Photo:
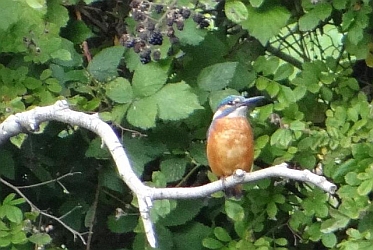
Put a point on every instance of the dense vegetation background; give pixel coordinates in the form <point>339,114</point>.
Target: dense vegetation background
<point>155,71</point>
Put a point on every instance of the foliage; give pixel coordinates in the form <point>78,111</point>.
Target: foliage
<point>156,75</point>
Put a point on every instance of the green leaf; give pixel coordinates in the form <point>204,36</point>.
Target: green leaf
<point>191,236</point>
<point>123,224</point>
<point>282,137</point>
<point>57,14</point>
<point>96,150</point>
<point>217,76</point>
<point>212,243</point>
<point>222,234</point>
<point>272,19</point>
<point>185,211</point>
<point>36,4</point>
<point>148,79</point>
<point>365,187</point>
<point>235,11</point>
<point>162,207</point>
<point>13,213</point>
<point>281,241</point>
<point>40,239</point>
<point>176,101</point>
<point>329,240</point>
<point>77,31</point>
<point>311,19</point>
<point>343,169</point>
<point>190,35</point>
<point>142,113</point>
<point>104,65</point>
<point>61,54</point>
<point>174,168</point>
<point>256,3</point>
<point>234,210</point>
<point>10,12</point>
<point>9,198</point>
<point>334,224</point>
<point>283,72</point>
<point>32,83</point>
<point>53,85</point>
<point>266,65</point>
<point>109,178</point>
<point>17,201</point>
<point>351,179</point>
<point>271,210</point>
<point>119,90</point>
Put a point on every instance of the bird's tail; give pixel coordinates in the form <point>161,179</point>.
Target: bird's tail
<point>235,192</point>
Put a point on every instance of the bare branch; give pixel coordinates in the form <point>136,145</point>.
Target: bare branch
<point>50,181</point>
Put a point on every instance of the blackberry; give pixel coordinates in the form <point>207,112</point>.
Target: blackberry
<point>170,19</point>
<point>185,13</point>
<point>156,55</point>
<point>204,23</point>
<point>135,3</point>
<point>170,32</point>
<point>150,26</point>
<point>158,9</point>
<point>139,44</point>
<point>130,43</point>
<point>198,18</point>
<point>138,15</point>
<point>145,56</point>
<point>180,24</point>
<point>156,38</point>
<point>143,35</point>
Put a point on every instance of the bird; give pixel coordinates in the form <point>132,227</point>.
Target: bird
<point>230,140</point>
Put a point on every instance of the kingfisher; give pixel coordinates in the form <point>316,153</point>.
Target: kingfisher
<point>230,140</point>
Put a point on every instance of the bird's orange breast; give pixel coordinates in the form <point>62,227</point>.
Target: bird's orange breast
<point>230,146</point>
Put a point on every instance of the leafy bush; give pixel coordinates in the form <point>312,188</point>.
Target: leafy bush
<point>156,75</point>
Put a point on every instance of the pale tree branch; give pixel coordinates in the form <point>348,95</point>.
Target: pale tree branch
<point>60,111</point>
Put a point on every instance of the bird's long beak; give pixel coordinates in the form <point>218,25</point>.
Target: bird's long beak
<point>252,101</point>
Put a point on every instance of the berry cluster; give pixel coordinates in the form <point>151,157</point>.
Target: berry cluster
<point>154,20</point>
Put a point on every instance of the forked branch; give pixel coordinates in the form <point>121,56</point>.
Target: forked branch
<point>60,111</point>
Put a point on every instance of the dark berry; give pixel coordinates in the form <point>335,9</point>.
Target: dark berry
<point>170,32</point>
<point>170,19</point>
<point>180,24</point>
<point>138,15</point>
<point>156,55</point>
<point>204,23</point>
<point>143,35</point>
<point>145,56</point>
<point>129,43</point>
<point>139,44</point>
<point>144,6</point>
<point>198,18</point>
<point>135,3</point>
<point>150,25</point>
<point>156,38</point>
<point>185,13</point>
<point>158,9</point>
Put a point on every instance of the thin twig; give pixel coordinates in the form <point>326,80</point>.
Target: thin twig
<point>35,208</point>
<point>50,181</point>
<point>93,217</point>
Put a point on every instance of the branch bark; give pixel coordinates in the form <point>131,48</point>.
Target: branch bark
<point>60,111</point>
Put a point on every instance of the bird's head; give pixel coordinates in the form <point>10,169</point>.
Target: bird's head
<point>235,106</point>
